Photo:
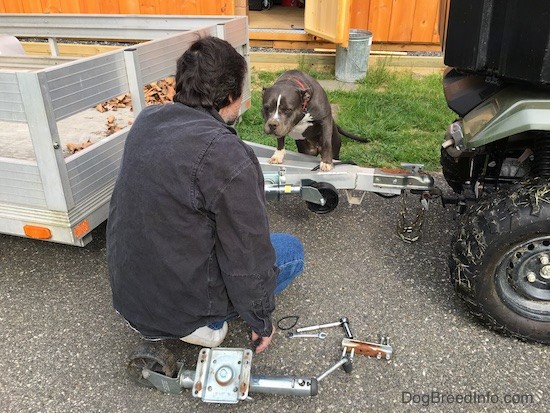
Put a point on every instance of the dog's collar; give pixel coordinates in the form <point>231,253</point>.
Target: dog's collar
<point>303,88</point>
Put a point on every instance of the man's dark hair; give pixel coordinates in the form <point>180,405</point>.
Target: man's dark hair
<point>208,73</point>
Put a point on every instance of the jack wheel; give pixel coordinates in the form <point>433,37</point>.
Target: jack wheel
<point>329,193</point>
<point>348,367</point>
<point>154,357</point>
<point>500,261</point>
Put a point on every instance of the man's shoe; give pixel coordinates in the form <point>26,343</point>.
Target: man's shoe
<point>206,337</point>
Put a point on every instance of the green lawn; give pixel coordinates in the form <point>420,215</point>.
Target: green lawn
<point>404,116</point>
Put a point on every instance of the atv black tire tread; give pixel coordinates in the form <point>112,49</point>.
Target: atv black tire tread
<point>488,228</point>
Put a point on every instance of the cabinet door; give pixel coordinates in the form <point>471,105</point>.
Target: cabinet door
<point>328,19</point>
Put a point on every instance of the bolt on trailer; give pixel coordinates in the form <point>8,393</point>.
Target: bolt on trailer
<point>45,192</point>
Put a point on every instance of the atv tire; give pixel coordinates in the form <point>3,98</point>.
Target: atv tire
<point>500,260</point>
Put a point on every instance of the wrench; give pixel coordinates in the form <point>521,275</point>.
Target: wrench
<point>344,322</point>
<point>321,335</point>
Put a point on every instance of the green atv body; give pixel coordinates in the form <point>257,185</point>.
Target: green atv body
<point>496,157</point>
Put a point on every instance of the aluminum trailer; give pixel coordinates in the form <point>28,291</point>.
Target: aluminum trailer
<point>62,198</point>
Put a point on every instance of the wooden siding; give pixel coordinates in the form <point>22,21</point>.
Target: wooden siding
<point>398,21</point>
<point>185,7</point>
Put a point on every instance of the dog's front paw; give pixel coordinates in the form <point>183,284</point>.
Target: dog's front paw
<point>277,157</point>
<point>325,167</point>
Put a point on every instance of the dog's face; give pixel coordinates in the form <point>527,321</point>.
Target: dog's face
<point>282,109</point>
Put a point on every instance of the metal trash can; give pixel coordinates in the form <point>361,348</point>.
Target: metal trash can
<point>352,61</point>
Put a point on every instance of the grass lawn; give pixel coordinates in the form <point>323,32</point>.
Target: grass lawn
<point>404,116</point>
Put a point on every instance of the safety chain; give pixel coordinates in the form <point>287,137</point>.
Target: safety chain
<point>409,232</point>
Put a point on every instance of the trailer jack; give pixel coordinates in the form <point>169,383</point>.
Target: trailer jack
<point>223,375</point>
<point>320,197</point>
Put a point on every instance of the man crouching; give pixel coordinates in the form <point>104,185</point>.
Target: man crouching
<point>188,239</point>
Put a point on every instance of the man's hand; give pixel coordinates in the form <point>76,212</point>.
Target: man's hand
<point>263,342</point>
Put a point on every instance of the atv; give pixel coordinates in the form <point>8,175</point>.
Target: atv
<point>496,158</point>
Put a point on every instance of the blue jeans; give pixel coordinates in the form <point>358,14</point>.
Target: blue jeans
<point>289,257</point>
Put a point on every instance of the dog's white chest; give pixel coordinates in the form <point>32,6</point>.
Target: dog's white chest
<point>297,132</point>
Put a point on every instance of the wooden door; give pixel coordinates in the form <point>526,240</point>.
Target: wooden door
<point>328,19</point>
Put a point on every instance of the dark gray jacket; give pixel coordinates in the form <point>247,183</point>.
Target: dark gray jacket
<point>187,237</point>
